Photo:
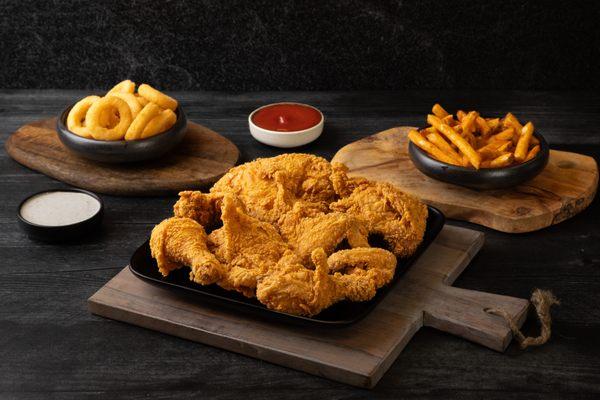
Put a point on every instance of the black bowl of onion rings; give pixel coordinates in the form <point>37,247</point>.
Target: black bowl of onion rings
<point>122,151</point>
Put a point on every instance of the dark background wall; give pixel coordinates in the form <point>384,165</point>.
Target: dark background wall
<point>305,45</point>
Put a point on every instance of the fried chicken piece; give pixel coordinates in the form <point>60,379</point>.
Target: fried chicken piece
<point>360,272</point>
<point>343,185</point>
<point>248,246</point>
<point>204,208</point>
<point>295,289</point>
<point>401,219</point>
<point>326,231</point>
<point>182,241</point>
<point>271,187</point>
<point>357,274</point>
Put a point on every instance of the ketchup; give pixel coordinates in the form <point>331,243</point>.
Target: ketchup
<point>286,117</point>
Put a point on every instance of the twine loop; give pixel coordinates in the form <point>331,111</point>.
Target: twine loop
<point>542,301</point>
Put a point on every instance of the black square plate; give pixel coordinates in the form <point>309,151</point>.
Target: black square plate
<point>340,314</point>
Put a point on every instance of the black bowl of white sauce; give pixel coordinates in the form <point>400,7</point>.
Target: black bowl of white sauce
<point>61,215</point>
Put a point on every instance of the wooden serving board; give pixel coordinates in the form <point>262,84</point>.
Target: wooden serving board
<point>565,187</point>
<point>202,157</point>
<point>359,354</point>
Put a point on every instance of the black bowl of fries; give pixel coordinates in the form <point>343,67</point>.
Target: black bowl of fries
<point>476,152</point>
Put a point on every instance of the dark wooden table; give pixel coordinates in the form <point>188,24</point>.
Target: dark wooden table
<point>52,347</point>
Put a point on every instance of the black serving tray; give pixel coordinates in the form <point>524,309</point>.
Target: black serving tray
<point>338,315</point>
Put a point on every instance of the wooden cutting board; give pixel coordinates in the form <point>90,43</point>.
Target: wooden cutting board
<point>202,157</point>
<point>563,189</point>
<point>359,354</point>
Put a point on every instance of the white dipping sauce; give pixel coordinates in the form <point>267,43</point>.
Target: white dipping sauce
<point>59,208</point>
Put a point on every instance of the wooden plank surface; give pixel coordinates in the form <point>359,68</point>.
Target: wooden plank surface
<point>358,355</point>
<point>198,161</point>
<point>564,188</point>
<point>52,347</point>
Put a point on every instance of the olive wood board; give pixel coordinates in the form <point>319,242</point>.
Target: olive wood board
<point>358,354</point>
<point>564,188</point>
<point>198,161</point>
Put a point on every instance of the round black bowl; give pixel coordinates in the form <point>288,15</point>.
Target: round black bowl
<point>122,151</point>
<point>492,178</point>
<point>63,233</point>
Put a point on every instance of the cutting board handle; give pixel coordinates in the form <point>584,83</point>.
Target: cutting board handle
<point>462,312</point>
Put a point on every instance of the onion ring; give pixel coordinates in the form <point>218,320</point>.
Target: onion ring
<point>126,86</point>
<point>131,100</point>
<point>157,97</point>
<point>142,100</point>
<point>94,118</point>
<point>76,118</point>
<point>109,118</point>
<point>136,128</point>
<point>159,124</point>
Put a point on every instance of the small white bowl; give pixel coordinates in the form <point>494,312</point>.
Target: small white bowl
<point>286,139</point>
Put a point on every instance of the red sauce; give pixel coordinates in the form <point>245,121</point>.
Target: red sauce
<point>286,117</point>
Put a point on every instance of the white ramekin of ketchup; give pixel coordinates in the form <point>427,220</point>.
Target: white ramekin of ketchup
<point>286,124</point>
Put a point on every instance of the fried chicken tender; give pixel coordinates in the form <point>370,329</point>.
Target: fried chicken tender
<point>283,219</point>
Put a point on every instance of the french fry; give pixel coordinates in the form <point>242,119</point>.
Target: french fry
<point>448,120</point>
<point>457,139</point>
<point>482,125</point>
<point>506,134</point>
<point>502,161</point>
<point>511,121</point>
<point>524,141</point>
<point>480,142</point>
<point>532,153</point>
<point>504,147</point>
<point>497,144</point>
<point>465,161</point>
<point>430,148</point>
<point>470,138</point>
<point>439,141</point>
<point>439,111</point>
<point>494,149</point>
<point>487,154</point>
<point>493,123</point>
<point>468,122</point>
<point>434,121</point>
<point>460,114</point>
